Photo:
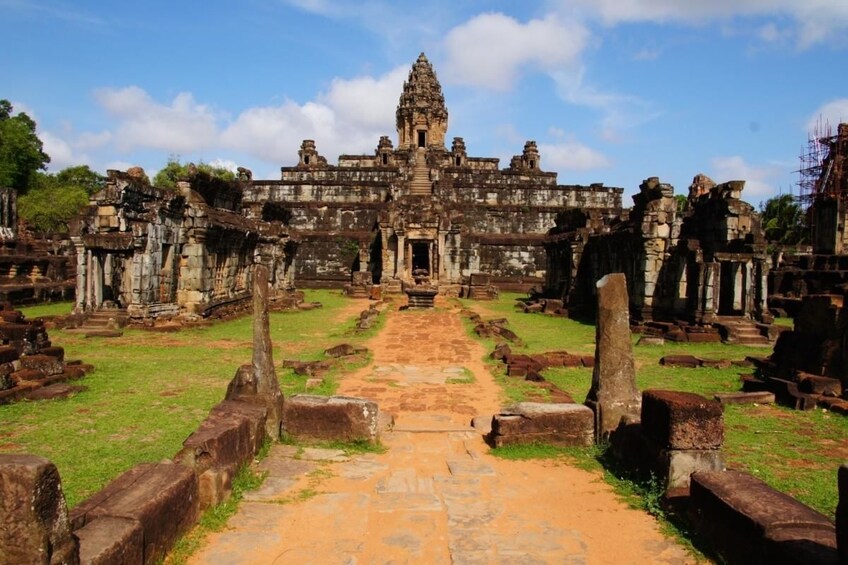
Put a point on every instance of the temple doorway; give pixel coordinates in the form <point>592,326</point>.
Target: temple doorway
<point>421,256</point>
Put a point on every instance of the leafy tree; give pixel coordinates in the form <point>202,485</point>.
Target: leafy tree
<point>681,202</point>
<point>53,200</point>
<point>783,220</point>
<point>174,171</point>
<point>81,176</point>
<point>21,152</point>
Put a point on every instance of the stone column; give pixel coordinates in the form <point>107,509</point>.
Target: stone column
<point>267,385</point>
<point>400,271</point>
<point>613,394</point>
<point>82,274</point>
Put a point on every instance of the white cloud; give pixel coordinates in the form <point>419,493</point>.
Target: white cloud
<point>181,126</point>
<point>571,155</point>
<point>758,178</point>
<point>490,50</point>
<point>348,118</point>
<point>833,113</point>
<point>61,152</point>
<point>619,111</point>
<point>814,20</point>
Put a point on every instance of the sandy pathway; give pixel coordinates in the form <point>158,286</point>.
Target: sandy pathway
<point>436,495</point>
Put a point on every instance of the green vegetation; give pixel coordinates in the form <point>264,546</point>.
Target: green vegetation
<point>796,452</point>
<point>784,221</point>
<point>150,390</point>
<point>21,151</point>
<point>47,309</point>
<point>52,200</point>
<point>174,171</point>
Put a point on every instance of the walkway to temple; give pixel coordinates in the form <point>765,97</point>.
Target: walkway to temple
<point>435,495</point>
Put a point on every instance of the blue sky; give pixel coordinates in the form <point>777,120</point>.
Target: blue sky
<point>613,91</point>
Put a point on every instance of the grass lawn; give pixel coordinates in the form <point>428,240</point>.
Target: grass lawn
<point>150,390</point>
<point>793,451</point>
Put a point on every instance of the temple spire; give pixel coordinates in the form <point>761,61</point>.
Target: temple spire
<point>422,118</point>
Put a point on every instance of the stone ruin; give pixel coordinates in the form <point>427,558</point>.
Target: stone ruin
<point>809,365</point>
<point>30,365</point>
<point>189,253</point>
<point>33,267</point>
<point>698,275</point>
<point>370,222</point>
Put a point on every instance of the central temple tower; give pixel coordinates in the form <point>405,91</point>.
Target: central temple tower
<point>422,118</point>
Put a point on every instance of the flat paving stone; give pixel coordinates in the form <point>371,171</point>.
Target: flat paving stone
<point>321,454</point>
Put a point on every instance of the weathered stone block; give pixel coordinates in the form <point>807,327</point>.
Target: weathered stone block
<point>223,442</point>
<point>8,353</point>
<point>736,512</point>
<point>814,384</point>
<point>162,497</point>
<point>687,361</point>
<point>45,363</point>
<point>677,465</point>
<point>681,420</point>
<point>34,525</point>
<point>558,424</point>
<point>330,418</point>
<point>110,540</point>
<point>761,397</point>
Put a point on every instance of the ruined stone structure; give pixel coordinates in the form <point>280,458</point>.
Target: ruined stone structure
<point>824,188</point>
<point>32,269</point>
<point>420,206</point>
<point>370,221</point>
<point>700,265</point>
<point>157,252</point>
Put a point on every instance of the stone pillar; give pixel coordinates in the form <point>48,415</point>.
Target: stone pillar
<point>400,271</point>
<point>82,274</point>
<point>613,393</point>
<point>34,526</point>
<point>267,385</point>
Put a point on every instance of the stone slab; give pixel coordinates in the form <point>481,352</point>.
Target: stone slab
<point>762,397</point>
<point>528,422</point>
<point>162,497</point>
<point>736,512</point>
<point>111,540</point>
<point>679,464</point>
<point>330,418</point>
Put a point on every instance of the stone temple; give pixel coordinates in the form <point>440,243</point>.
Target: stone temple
<point>370,221</point>
<point>416,210</point>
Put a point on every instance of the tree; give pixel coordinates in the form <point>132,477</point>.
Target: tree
<point>175,171</point>
<point>53,200</point>
<point>81,176</point>
<point>21,151</point>
<point>783,220</point>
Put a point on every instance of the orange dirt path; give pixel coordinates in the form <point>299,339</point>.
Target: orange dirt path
<point>435,495</point>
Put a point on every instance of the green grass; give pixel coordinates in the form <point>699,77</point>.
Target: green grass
<point>150,390</point>
<point>793,451</point>
<point>47,309</point>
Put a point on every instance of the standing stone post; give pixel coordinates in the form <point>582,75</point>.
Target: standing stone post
<point>34,526</point>
<point>257,383</point>
<point>613,393</point>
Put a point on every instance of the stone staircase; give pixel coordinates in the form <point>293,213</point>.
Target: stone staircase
<point>420,184</point>
<point>742,332</point>
<point>103,323</point>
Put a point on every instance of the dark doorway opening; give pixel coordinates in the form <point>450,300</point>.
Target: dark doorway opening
<point>731,291</point>
<point>421,256</point>
<point>375,259</point>
<point>422,138</point>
